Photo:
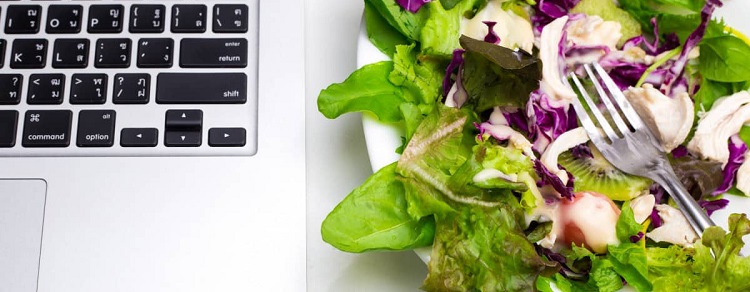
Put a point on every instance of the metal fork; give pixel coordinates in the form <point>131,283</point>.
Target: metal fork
<point>635,149</point>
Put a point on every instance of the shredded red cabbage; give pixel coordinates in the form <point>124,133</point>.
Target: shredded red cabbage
<point>581,151</point>
<point>675,71</point>
<point>565,270</point>
<point>546,122</point>
<point>548,10</point>
<point>491,37</point>
<point>548,178</point>
<point>456,62</point>
<point>671,41</point>
<point>712,206</point>
<point>679,152</point>
<point>517,119</point>
<point>737,150</point>
<point>659,198</point>
<point>637,237</point>
<point>412,5</point>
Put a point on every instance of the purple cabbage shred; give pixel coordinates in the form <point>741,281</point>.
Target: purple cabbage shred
<point>712,206</point>
<point>565,270</point>
<point>659,198</point>
<point>675,71</point>
<point>546,122</point>
<point>491,37</point>
<point>737,150</point>
<point>637,237</point>
<point>456,62</point>
<point>548,10</point>
<point>581,151</point>
<point>548,178</point>
<point>517,119</point>
<point>679,152</point>
<point>412,5</point>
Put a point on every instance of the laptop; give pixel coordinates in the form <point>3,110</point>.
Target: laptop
<point>152,146</point>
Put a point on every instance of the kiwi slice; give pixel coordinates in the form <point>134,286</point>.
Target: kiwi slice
<point>598,175</point>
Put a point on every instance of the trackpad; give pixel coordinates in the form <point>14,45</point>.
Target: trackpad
<point>21,218</point>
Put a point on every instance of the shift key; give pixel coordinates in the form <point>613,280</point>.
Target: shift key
<point>213,53</point>
<point>200,88</point>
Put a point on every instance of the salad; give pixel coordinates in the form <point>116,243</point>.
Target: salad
<point>495,173</point>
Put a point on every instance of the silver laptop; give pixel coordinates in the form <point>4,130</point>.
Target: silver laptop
<point>152,146</point>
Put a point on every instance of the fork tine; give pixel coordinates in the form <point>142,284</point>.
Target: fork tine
<point>630,114</point>
<point>594,110</point>
<point>621,126</point>
<point>588,125</point>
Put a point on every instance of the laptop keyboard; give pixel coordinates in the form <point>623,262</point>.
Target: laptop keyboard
<point>128,78</point>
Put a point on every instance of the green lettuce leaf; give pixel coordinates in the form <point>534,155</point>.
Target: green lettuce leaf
<point>367,89</point>
<point>437,148</point>
<point>421,79</point>
<point>644,10</point>
<point>717,256</point>
<point>484,249</point>
<point>407,23</point>
<point>670,269</point>
<point>381,34</point>
<point>626,225</point>
<point>629,261</point>
<point>498,76</point>
<point>725,59</point>
<point>439,36</point>
<point>714,264</point>
<point>374,217</point>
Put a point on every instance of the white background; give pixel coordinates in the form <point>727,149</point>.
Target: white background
<point>337,157</point>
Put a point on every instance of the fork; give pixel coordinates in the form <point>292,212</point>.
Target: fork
<point>633,149</point>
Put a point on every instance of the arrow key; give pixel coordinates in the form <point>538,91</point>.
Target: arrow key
<point>182,139</point>
<point>226,137</point>
<point>139,137</point>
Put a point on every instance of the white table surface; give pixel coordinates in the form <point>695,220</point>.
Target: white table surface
<point>337,160</point>
<point>337,157</point>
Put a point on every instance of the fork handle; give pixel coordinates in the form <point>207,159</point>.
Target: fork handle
<point>692,211</point>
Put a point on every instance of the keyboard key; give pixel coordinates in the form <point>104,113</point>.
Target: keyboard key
<point>132,88</point>
<point>23,19</point>
<point>10,88</point>
<point>198,88</point>
<point>70,53</point>
<point>46,89</point>
<point>182,139</point>
<point>213,53</point>
<point>88,89</point>
<point>226,137</point>
<point>47,128</point>
<point>113,53</point>
<point>105,18</point>
<point>139,137</point>
<point>28,54</point>
<point>8,125</point>
<point>186,120</point>
<point>189,18</point>
<point>147,18</point>
<point>96,128</point>
<point>230,18</point>
<point>155,53</point>
<point>64,18</point>
<point>2,53</point>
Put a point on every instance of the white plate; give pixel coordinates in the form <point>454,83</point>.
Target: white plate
<point>382,139</point>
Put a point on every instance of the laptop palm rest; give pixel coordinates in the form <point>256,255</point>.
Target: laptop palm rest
<point>21,219</point>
